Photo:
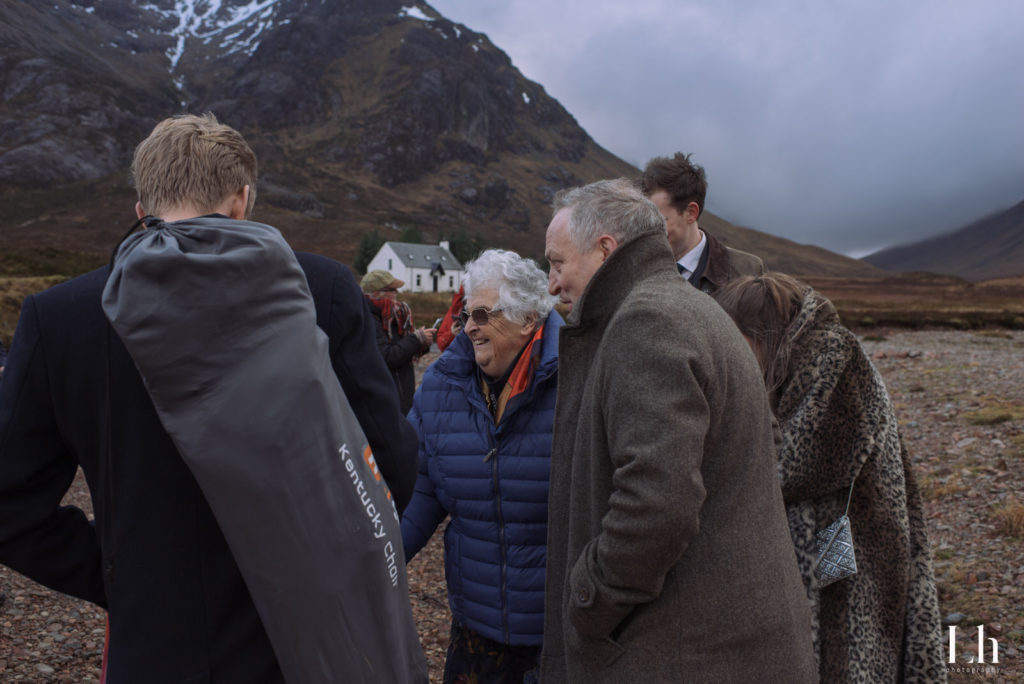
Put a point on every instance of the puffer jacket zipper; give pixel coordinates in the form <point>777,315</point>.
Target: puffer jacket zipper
<point>492,457</point>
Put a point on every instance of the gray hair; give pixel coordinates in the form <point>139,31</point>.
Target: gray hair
<point>521,285</point>
<point>612,207</point>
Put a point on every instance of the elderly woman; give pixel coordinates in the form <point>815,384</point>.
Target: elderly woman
<point>484,414</point>
<point>841,451</point>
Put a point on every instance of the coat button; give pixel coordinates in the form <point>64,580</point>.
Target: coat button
<point>583,595</point>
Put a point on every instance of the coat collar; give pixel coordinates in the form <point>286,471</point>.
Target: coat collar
<point>635,259</point>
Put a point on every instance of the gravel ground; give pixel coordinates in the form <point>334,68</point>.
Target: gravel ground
<point>960,400</point>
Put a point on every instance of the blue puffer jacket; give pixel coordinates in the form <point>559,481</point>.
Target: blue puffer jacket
<point>492,480</point>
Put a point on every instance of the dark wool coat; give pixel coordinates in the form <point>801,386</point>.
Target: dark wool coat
<point>399,352</point>
<point>492,481</point>
<point>155,556</point>
<point>882,624</point>
<point>669,558</point>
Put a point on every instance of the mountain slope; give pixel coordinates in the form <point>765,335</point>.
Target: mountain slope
<point>780,254</point>
<point>70,100</point>
<point>365,115</point>
<point>990,248</point>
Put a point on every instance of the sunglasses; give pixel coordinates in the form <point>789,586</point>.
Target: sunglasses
<point>480,315</point>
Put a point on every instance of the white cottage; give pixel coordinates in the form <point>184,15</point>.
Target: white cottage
<point>424,268</point>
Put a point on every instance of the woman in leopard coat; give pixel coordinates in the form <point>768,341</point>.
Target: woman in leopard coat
<point>839,429</point>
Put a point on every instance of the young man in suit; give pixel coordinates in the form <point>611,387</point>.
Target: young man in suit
<point>155,557</point>
<point>678,188</point>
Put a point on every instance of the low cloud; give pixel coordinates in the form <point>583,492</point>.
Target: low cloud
<point>852,127</point>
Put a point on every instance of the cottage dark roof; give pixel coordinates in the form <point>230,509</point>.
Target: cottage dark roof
<point>414,255</point>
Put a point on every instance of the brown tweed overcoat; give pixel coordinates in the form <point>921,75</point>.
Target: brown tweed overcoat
<point>669,556</point>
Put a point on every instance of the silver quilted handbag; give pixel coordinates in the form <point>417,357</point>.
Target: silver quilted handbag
<point>836,559</point>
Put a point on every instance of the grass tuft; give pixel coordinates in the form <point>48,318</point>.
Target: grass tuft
<point>1009,520</point>
<point>995,414</point>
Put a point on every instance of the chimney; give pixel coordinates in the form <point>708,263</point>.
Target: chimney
<point>443,244</point>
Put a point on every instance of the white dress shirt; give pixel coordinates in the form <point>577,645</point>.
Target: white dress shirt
<point>691,260</point>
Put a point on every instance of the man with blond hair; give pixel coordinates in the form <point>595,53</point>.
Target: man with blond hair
<point>669,556</point>
<point>155,557</point>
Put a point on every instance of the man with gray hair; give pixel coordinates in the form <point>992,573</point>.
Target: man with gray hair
<point>669,557</point>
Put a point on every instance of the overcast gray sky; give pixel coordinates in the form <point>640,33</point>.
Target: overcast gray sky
<point>850,125</point>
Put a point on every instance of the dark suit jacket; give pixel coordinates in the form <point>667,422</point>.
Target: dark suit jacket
<point>155,556</point>
<point>725,263</point>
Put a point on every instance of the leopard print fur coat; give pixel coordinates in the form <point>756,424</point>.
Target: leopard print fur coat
<point>883,623</point>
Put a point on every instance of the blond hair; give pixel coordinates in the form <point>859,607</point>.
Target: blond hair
<point>192,161</point>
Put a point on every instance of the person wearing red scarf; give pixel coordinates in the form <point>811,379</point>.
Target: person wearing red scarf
<point>451,324</point>
<point>399,343</point>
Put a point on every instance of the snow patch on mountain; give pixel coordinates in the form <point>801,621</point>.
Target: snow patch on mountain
<point>235,25</point>
<point>415,13</point>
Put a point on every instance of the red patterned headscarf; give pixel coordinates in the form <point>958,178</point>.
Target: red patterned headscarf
<point>394,314</point>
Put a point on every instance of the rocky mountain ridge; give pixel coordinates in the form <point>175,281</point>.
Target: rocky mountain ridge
<point>992,247</point>
<point>365,114</point>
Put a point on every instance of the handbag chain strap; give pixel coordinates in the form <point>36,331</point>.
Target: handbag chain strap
<point>835,532</point>
<point>849,497</point>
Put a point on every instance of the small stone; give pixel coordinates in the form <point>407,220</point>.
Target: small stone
<point>54,627</point>
<point>966,442</point>
<point>45,669</point>
<point>1007,589</point>
<point>954,619</point>
<point>995,628</point>
<point>982,575</point>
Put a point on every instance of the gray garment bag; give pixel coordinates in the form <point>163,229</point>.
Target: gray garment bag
<point>218,318</point>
